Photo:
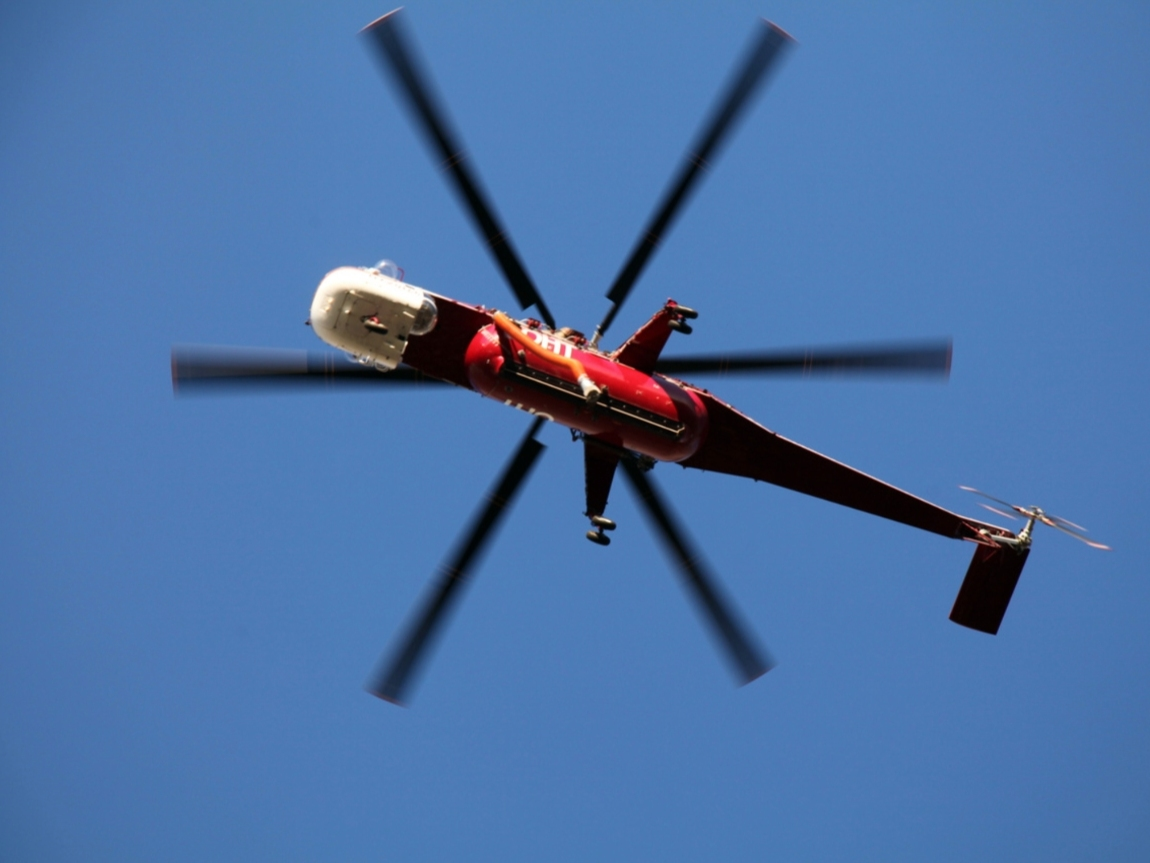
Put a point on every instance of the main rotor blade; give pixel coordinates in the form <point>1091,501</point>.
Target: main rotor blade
<point>202,368</point>
<point>768,45</point>
<point>395,51</point>
<point>747,659</point>
<point>924,358</point>
<point>393,676</point>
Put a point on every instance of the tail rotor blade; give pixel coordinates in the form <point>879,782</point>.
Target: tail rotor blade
<point>747,659</point>
<point>998,511</point>
<point>921,358</point>
<point>396,673</point>
<point>769,44</point>
<point>394,50</point>
<point>1067,527</point>
<point>1075,534</point>
<point>1065,522</point>
<point>1013,506</point>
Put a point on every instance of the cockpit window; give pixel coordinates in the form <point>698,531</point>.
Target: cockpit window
<point>390,269</point>
<point>425,318</point>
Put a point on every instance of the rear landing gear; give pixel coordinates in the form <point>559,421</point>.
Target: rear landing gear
<point>680,316</point>
<point>601,524</point>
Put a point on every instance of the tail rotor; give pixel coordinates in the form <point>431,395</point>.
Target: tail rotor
<point>1033,515</point>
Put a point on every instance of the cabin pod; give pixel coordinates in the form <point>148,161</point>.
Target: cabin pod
<point>370,315</point>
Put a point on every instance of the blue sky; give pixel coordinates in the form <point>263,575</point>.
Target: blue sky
<point>194,590</point>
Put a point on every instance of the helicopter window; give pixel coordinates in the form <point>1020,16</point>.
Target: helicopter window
<point>390,269</point>
<point>425,318</point>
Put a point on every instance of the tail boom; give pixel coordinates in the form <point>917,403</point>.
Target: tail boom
<point>736,444</point>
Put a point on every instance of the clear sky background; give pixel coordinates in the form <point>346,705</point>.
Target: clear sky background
<point>194,590</point>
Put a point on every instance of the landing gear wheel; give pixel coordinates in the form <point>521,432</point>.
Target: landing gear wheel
<point>598,537</point>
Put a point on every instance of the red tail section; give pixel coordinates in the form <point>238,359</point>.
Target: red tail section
<point>987,588</point>
<point>738,445</point>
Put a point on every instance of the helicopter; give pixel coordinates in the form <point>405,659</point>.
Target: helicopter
<point>630,407</point>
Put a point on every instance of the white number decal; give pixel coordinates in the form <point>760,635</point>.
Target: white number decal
<point>551,344</point>
<point>531,411</point>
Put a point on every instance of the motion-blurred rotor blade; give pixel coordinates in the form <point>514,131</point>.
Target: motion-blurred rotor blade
<point>768,44</point>
<point>395,51</point>
<point>1067,523</point>
<point>1067,527</point>
<point>395,674</point>
<point>1075,534</point>
<point>748,660</point>
<point>1019,509</point>
<point>998,511</point>
<point>202,368</point>
<point>923,358</point>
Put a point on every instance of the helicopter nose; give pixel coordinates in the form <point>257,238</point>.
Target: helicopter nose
<point>369,315</point>
<point>325,305</point>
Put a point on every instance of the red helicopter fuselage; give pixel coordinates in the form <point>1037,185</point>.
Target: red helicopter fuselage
<point>614,398</point>
<point>615,401</point>
<point>644,413</point>
<point>651,414</point>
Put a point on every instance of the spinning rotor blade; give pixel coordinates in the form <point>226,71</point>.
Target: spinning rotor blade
<point>202,369</point>
<point>1067,527</point>
<point>1054,524</point>
<point>393,676</point>
<point>394,50</point>
<point>1066,523</point>
<point>1019,509</point>
<point>748,660</point>
<point>929,358</point>
<point>769,43</point>
<point>998,511</point>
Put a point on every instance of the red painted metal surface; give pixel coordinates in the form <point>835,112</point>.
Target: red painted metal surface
<point>440,353</point>
<point>599,465</point>
<point>642,350</point>
<point>673,421</point>
<point>639,412</point>
<point>985,593</point>
<point>738,445</point>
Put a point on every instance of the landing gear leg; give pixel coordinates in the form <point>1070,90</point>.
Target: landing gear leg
<point>599,462</point>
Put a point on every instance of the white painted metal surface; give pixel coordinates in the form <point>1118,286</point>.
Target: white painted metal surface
<point>370,315</point>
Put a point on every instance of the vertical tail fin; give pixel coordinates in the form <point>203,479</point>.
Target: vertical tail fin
<point>988,586</point>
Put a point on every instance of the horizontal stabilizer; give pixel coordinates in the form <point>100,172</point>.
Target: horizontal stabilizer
<point>988,586</point>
